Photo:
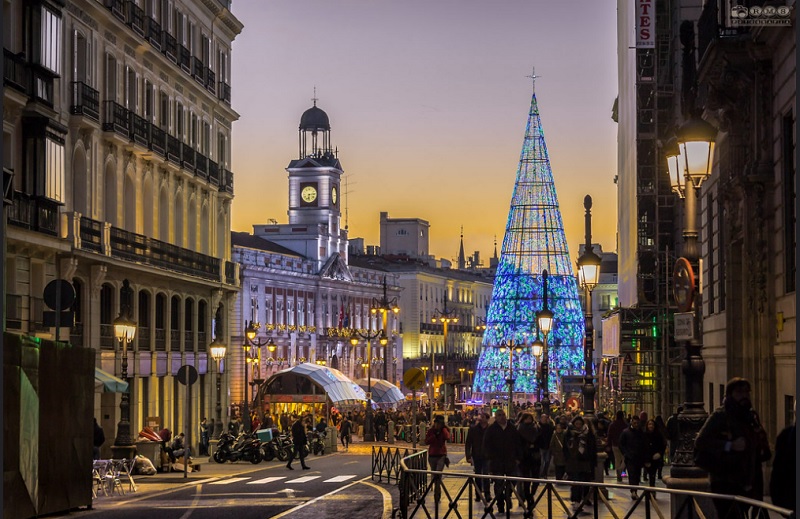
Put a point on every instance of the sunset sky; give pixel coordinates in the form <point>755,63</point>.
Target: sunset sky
<point>428,101</point>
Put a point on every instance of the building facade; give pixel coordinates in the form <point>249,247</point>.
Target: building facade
<point>116,133</point>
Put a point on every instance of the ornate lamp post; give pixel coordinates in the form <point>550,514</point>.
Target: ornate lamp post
<point>252,354</point>
<point>218,350</point>
<point>385,306</point>
<point>124,331</point>
<point>544,318</point>
<point>369,336</point>
<point>689,161</point>
<point>511,347</point>
<point>589,275</point>
<point>445,317</point>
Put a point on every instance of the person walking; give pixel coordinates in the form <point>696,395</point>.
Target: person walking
<point>299,440</point>
<point>503,447</point>
<point>557,451</point>
<point>98,440</point>
<point>731,446</point>
<point>783,481</point>
<point>614,432</point>
<point>345,432</point>
<point>673,432</point>
<point>531,461</point>
<point>632,444</point>
<point>436,439</point>
<point>474,454</point>
<point>655,445</point>
<point>203,448</point>
<point>547,427</point>
<point>580,452</point>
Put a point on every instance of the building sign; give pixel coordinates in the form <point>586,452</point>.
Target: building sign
<point>645,24</point>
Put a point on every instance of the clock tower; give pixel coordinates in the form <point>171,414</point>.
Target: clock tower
<point>314,198</point>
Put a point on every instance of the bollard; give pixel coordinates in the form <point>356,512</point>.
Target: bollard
<point>390,431</point>
<point>423,431</point>
<point>331,444</point>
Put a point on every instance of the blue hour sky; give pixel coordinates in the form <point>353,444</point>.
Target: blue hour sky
<point>428,101</point>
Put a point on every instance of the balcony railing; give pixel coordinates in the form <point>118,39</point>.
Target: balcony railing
<point>198,70</point>
<point>117,8</point>
<point>13,312</point>
<point>15,71</point>
<point>153,33</point>
<point>161,339</point>
<point>158,140</point>
<point>187,156</point>
<point>211,81</point>
<point>107,339</point>
<point>175,340</point>
<point>91,235</point>
<point>139,129</point>
<point>143,338</point>
<point>184,58</point>
<point>76,334</point>
<point>201,165</point>
<point>201,341</point>
<point>188,340</point>
<point>173,150</point>
<point>85,101</point>
<point>224,92</point>
<point>230,272</point>
<point>115,118</point>
<point>136,18</point>
<point>128,245</point>
<point>36,213</point>
<point>36,317</point>
<point>213,172</point>
<point>170,47</point>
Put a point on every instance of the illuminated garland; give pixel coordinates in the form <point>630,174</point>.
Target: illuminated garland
<point>534,241</point>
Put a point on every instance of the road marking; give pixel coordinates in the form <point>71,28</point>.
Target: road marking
<point>304,479</point>
<point>320,498</point>
<point>266,480</point>
<point>387,498</point>
<point>228,481</point>
<point>339,479</point>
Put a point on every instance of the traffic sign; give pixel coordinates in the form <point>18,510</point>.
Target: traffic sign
<point>414,379</point>
<point>683,284</point>
<point>59,294</point>
<point>684,326</point>
<point>187,373</point>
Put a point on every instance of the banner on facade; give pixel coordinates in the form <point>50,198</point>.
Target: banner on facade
<point>645,24</point>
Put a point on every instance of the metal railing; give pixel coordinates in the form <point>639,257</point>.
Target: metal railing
<point>85,101</point>
<point>107,340</point>
<point>161,339</point>
<point>15,71</point>
<point>427,493</point>
<point>13,312</point>
<point>36,213</point>
<point>91,234</point>
<point>115,118</point>
<point>224,92</point>
<point>386,462</point>
<point>153,30</point>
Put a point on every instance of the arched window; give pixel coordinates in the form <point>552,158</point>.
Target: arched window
<point>163,215</point>
<point>204,230</point>
<point>80,187</point>
<point>110,192</point>
<point>129,200</point>
<point>179,219</point>
<point>191,224</point>
<point>147,206</point>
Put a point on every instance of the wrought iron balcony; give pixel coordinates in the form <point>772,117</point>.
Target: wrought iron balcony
<point>158,140</point>
<point>187,156</point>
<point>136,18</point>
<point>198,70</point>
<point>107,339</point>
<point>202,342</point>
<point>13,312</point>
<point>224,92</point>
<point>201,166</point>
<point>115,118</point>
<point>175,340</point>
<point>230,272</point>
<point>117,8</point>
<point>170,47</point>
<point>140,129</point>
<point>184,58</point>
<point>211,80</point>
<point>161,339</point>
<point>173,150</point>
<point>153,30</point>
<point>128,245</point>
<point>85,101</point>
<point>213,172</point>
<point>36,213</point>
<point>226,182</point>
<point>15,71</point>
<point>91,233</point>
<point>143,338</point>
<point>188,340</point>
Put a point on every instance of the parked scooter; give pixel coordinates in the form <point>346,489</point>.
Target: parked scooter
<point>316,442</point>
<point>247,447</point>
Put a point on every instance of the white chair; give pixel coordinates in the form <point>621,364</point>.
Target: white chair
<point>99,468</point>
<point>126,473</point>
<point>113,482</point>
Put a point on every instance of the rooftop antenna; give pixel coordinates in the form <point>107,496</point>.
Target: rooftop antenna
<point>346,203</point>
<point>533,77</point>
<point>315,99</point>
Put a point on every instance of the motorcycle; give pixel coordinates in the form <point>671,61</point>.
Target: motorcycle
<point>247,447</point>
<point>316,442</point>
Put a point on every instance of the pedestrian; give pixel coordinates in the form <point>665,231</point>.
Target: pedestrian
<point>732,446</point>
<point>203,448</point>
<point>612,438</point>
<point>655,446</point>
<point>503,447</point>
<point>673,432</point>
<point>474,454</point>
<point>179,448</point>
<point>557,451</point>
<point>436,438</point>
<point>661,427</point>
<point>580,453</point>
<point>783,482</point>
<point>531,460</point>
<point>632,445</point>
<point>547,427</point>
<point>299,442</point>
<point>98,440</point>
<point>345,432</point>
<point>380,425</point>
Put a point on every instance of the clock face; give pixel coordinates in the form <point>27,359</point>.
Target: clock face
<point>308,194</point>
<point>334,195</point>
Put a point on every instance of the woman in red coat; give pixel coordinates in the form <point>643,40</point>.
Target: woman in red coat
<point>435,439</point>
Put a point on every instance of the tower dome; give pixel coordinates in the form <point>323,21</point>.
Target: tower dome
<point>314,119</point>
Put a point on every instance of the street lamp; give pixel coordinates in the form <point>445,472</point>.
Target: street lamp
<point>544,319</point>
<point>589,275</point>
<point>689,161</point>
<point>369,336</point>
<point>385,306</point>
<point>511,347</point>
<point>444,317</point>
<point>124,332</point>
<point>218,350</point>
<point>252,354</point>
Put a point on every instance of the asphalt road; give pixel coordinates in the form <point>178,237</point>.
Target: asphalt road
<point>338,485</point>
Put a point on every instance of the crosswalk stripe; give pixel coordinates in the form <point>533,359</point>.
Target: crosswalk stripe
<point>228,481</point>
<point>303,479</point>
<point>265,480</point>
<point>339,479</point>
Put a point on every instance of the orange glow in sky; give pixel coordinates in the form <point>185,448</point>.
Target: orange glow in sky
<point>428,103</point>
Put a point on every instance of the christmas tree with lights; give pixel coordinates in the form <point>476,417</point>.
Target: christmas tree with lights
<point>534,242</point>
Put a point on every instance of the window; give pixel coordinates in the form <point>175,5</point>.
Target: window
<point>206,140</point>
<point>222,65</point>
<point>54,176</point>
<point>179,122</point>
<point>164,112</point>
<point>130,89</point>
<point>193,129</point>
<point>49,51</point>
<point>81,57</point>
<point>205,50</point>
<point>221,149</point>
<point>111,78</point>
<point>148,102</point>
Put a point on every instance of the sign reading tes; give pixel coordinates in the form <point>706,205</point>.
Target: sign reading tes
<point>684,326</point>
<point>645,24</point>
